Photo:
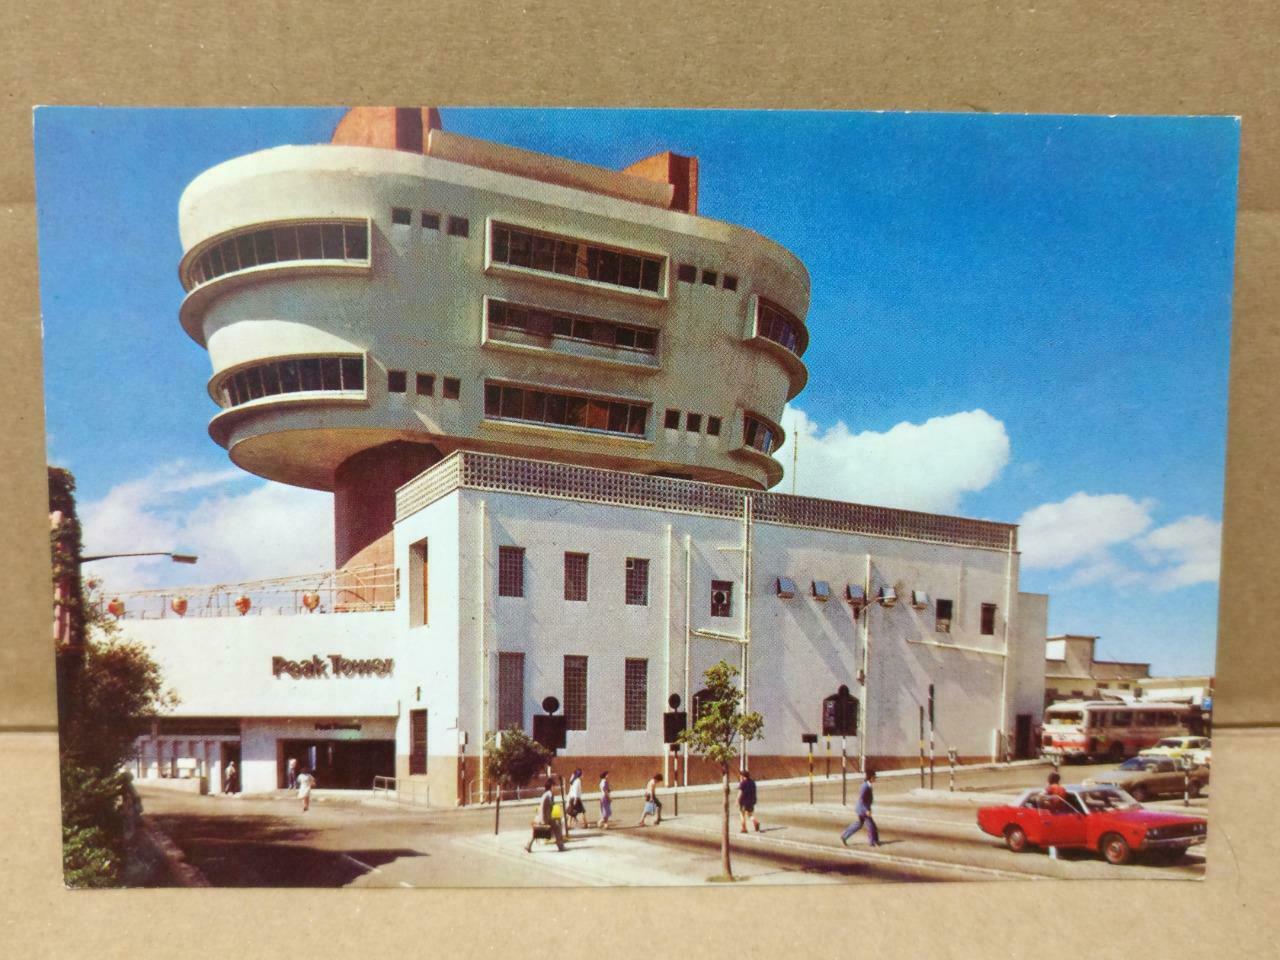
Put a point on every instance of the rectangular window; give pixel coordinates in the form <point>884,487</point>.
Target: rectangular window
<point>397,382</point>
<point>452,388</point>
<point>575,576</point>
<point>730,282</point>
<point>672,420</point>
<point>426,384</point>
<point>401,216</point>
<point>352,374</point>
<point>511,571</point>
<point>575,693</point>
<point>417,742</point>
<point>942,616</point>
<point>589,413</point>
<point>721,598</point>
<point>419,597</point>
<point>459,227</point>
<point>988,628</point>
<point>709,277</point>
<point>430,221</point>
<point>545,253</point>
<point>635,696</point>
<point>713,426</point>
<point>686,273</point>
<point>693,422</point>
<point>510,691</point>
<point>637,592</point>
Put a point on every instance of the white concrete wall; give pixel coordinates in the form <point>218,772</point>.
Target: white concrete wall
<point>429,676</point>
<point>222,666</point>
<point>801,651</point>
<point>1026,660</point>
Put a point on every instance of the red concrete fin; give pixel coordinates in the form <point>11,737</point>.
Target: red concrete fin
<point>673,168</point>
<point>391,128</point>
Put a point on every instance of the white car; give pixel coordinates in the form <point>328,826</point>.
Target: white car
<point>1197,748</point>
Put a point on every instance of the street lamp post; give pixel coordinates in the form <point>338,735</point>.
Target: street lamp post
<point>860,600</point>
<point>175,557</point>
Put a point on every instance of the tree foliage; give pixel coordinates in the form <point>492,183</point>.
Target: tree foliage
<point>514,759</point>
<point>718,729</point>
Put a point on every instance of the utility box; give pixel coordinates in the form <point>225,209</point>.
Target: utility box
<point>673,723</point>
<point>549,731</point>
<point>840,714</point>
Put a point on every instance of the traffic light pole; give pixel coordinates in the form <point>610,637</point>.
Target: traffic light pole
<point>811,774</point>
<point>844,770</point>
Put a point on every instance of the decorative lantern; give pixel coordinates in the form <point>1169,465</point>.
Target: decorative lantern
<point>311,601</point>
<point>115,607</point>
<point>243,604</point>
<point>178,605</point>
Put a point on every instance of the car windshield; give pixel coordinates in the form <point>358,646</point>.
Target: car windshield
<point>1169,743</point>
<point>1138,763</point>
<point>1107,799</point>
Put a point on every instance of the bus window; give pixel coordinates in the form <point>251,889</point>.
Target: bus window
<point>1065,716</point>
<point>1122,718</point>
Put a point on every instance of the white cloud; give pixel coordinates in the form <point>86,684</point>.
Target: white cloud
<point>267,530</point>
<point>1082,526</point>
<point>1188,550</point>
<point>1106,538</point>
<point>919,466</point>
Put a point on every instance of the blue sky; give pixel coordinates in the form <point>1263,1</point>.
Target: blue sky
<point>1020,318</point>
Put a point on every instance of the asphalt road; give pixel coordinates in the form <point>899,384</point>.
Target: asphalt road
<point>269,841</point>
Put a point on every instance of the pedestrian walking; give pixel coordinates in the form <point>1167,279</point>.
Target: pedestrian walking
<point>652,805</point>
<point>545,826</point>
<point>291,775</point>
<point>863,810</point>
<point>576,810</point>
<point>747,801</point>
<point>305,780</point>
<point>606,800</point>
<point>229,784</point>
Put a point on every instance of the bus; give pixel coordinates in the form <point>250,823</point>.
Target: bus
<point>1110,729</point>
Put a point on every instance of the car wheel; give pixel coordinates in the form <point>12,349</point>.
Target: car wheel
<point>1140,794</point>
<point>1116,849</point>
<point>1015,838</point>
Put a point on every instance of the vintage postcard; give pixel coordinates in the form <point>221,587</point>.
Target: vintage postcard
<point>454,497</point>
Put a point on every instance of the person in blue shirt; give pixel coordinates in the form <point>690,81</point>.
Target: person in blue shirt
<point>863,810</point>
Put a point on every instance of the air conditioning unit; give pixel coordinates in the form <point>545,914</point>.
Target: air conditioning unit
<point>785,587</point>
<point>919,599</point>
<point>821,590</point>
<point>887,596</point>
<point>855,595</point>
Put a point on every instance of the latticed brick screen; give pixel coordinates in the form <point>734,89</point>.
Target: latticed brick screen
<point>636,695</point>
<point>575,693</point>
<point>485,471</point>
<point>510,690</point>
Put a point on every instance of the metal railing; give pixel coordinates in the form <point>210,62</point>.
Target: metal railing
<point>349,590</point>
<point>385,786</point>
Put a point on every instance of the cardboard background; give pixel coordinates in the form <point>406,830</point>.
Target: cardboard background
<point>1137,57</point>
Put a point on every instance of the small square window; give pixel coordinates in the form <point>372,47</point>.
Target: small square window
<point>693,422</point>
<point>730,282</point>
<point>430,221</point>
<point>459,227</point>
<point>426,384</point>
<point>721,598</point>
<point>687,273</point>
<point>397,382</point>
<point>709,277</point>
<point>452,388</point>
<point>713,426</point>
<point>401,216</point>
<point>672,420</point>
<point>942,616</point>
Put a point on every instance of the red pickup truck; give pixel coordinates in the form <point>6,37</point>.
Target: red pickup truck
<point>1101,818</point>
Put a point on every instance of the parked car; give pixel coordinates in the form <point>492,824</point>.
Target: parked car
<point>1147,777</point>
<point>1101,818</point>
<point>1177,748</point>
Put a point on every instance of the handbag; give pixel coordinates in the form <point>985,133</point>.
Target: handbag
<point>542,831</point>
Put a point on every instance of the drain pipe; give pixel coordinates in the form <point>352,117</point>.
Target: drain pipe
<point>747,510</point>
<point>864,730</point>
<point>1004,670</point>
<point>688,639</point>
<point>484,645</point>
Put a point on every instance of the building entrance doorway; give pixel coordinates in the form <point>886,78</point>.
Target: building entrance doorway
<point>1022,737</point>
<point>231,779</point>
<point>341,764</point>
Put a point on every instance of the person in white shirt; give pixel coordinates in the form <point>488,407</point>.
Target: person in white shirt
<point>306,780</point>
<point>576,810</point>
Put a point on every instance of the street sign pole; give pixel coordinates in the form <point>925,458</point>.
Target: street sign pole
<point>931,736</point>
<point>827,775</point>
<point>809,739</point>
<point>921,743</point>
<point>844,767</point>
<point>951,756</point>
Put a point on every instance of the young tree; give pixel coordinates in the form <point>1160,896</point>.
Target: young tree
<point>512,759</point>
<point>716,732</point>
